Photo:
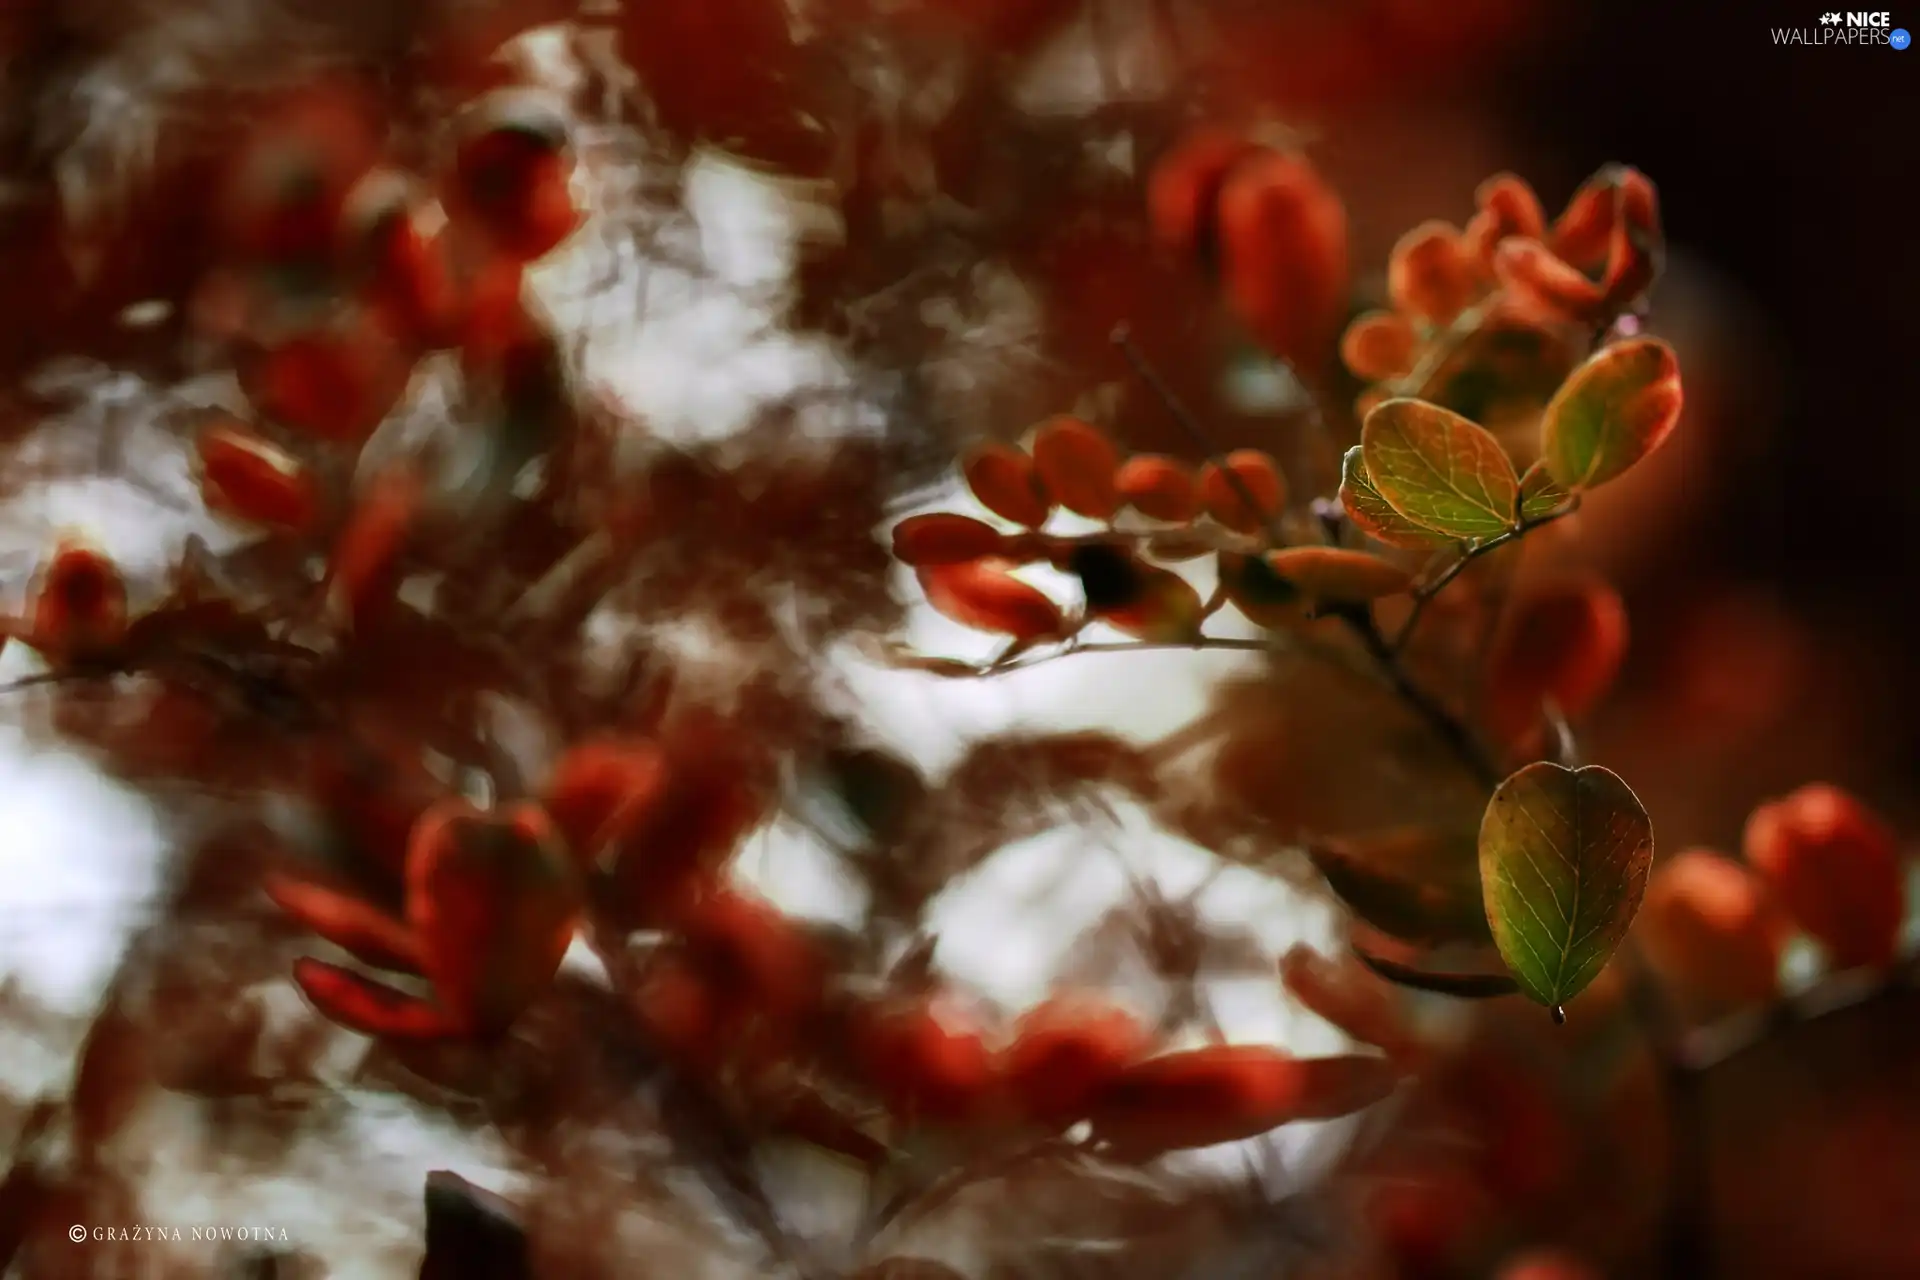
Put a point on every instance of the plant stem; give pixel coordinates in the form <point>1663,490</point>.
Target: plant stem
<point>1448,727</point>
<point>1474,550</point>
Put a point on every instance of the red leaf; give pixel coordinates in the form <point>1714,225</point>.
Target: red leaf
<point>244,476</point>
<point>371,935</point>
<point>1064,1052</point>
<point>1835,868</point>
<point>1227,1093</point>
<point>1283,240</point>
<point>601,789</point>
<point>1565,643</point>
<point>983,595</point>
<point>495,903</point>
<point>1430,273</point>
<point>371,1008</point>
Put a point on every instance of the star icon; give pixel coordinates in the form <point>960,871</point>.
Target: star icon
<point>1830,19</point>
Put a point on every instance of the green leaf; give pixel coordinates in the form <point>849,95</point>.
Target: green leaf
<point>1564,856</point>
<point>1613,411</point>
<point>1540,494</point>
<point>1373,514</point>
<point>1415,884</point>
<point>1439,470</point>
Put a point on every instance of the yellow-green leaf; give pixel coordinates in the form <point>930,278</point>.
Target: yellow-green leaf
<point>1613,411</point>
<point>1336,576</point>
<point>1373,514</point>
<point>1540,494</point>
<point>1564,857</point>
<point>1439,470</point>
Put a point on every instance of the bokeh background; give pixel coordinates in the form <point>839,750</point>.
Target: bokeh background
<point>1766,555</point>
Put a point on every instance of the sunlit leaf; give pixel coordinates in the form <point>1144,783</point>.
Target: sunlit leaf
<point>1616,409</point>
<point>1373,513</point>
<point>1439,470</point>
<point>1564,857</point>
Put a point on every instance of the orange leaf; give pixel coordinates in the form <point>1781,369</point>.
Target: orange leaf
<point>244,476</point>
<point>511,172</point>
<point>1430,273</point>
<point>1708,929</point>
<point>365,572</point>
<point>1349,997</point>
<point>79,606</point>
<point>1564,643</point>
<point>1064,1052</point>
<point>336,383</point>
<point>1143,600</point>
<point>763,967</point>
<point>1005,482</point>
<point>1076,464</point>
<point>494,902</point>
<point>599,789</point>
<point>1335,575</point>
<point>928,1061</point>
<point>369,934</point>
<point>371,1008</point>
<point>939,538</point>
<point>1183,194</point>
<point>1507,207</point>
<point>1835,868</point>
<point>1158,487</point>
<point>1379,345</point>
<point>1259,477</point>
<point>1283,248</point>
<point>398,268</point>
<point>983,595</point>
<point>1227,1093</point>
<point>1546,283</point>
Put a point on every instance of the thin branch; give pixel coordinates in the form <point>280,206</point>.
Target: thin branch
<point>1449,728</point>
<point>1424,594</point>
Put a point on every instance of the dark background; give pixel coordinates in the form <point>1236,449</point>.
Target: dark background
<point>1792,171</point>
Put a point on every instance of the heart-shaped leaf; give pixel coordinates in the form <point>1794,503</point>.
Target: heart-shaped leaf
<point>1564,857</point>
<point>494,901</point>
<point>1439,470</point>
<point>1373,513</point>
<point>1613,411</point>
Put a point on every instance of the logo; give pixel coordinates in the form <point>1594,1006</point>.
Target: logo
<point>1850,29</point>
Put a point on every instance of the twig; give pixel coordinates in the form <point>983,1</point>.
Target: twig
<point>1425,593</point>
<point>1448,727</point>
